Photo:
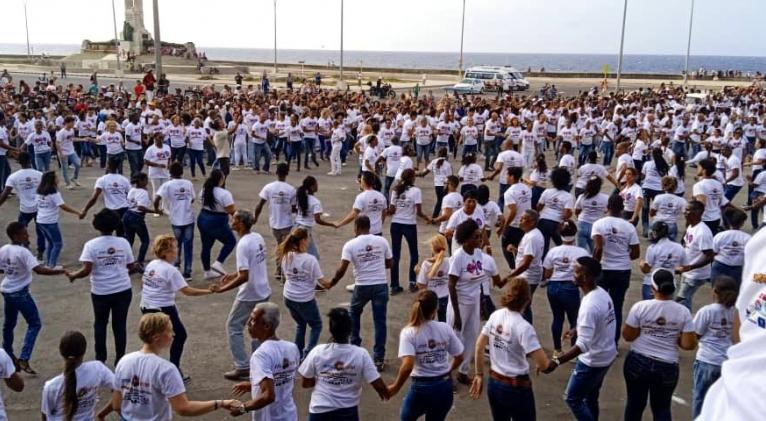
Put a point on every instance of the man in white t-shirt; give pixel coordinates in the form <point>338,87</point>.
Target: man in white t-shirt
<point>25,182</point>
<point>177,196</point>
<point>698,245</point>
<point>615,245</point>
<point>529,254</point>
<point>594,348</point>
<point>157,158</point>
<point>370,203</point>
<point>279,195</point>
<point>371,256</point>
<point>115,188</point>
<point>252,279</point>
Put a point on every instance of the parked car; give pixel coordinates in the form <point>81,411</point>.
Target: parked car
<point>468,86</point>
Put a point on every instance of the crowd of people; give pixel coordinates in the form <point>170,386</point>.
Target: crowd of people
<point>560,228</point>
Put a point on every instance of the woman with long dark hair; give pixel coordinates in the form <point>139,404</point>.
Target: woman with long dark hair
<point>309,211</point>
<point>632,196</point>
<point>538,179</point>
<point>442,169</point>
<point>555,206</point>
<point>73,395</point>
<point>213,223</point>
<point>405,207</point>
<point>589,207</point>
<point>652,172</point>
<point>49,201</point>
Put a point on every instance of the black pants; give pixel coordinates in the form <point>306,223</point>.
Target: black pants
<point>179,331</point>
<point>440,191</point>
<point>117,304</point>
<point>511,235</point>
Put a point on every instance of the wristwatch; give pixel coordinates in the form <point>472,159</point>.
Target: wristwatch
<point>556,361</point>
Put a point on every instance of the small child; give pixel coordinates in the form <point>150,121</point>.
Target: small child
<point>713,325</point>
<point>433,274</point>
<point>139,205</point>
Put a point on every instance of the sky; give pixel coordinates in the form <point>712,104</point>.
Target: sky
<point>733,27</point>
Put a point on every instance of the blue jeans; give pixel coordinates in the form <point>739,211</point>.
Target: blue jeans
<point>214,226</point>
<point>177,154</point>
<point>687,290</point>
<point>179,332</point>
<point>185,238</point>
<point>584,150</point>
<point>119,157</point>
<point>564,298</point>
<point>490,154</point>
<point>134,224</point>
<point>616,283</point>
<point>235,327</point>
<point>423,152</point>
<point>536,193</point>
<point>646,292</point>
<point>510,403</point>
<point>704,375</point>
<point>101,149</point>
<point>256,151</point>
<point>43,161</point>
<point>309,149</point>
<point>720,269</point>
<point>583,390</point>
<point>679,149</point>
<point>410,233</point>
<point>116,305</point>
<point>305,314</point>
<point>135,160</point>
<point>52,236</point>
<point>583,235</point>
<point>730,191</point>
<point>647,377</point>
<point>343,414</point>
<point>501,196</point>
<point>755,213</point>
<point>195,157</point>
<point>649,195</point>
<point>5,170</point>
<point>26,218</point>
<point>363,294</point>
<point>607,148</point>
<point>431,397</point>
<point>22,302</point>
<point>74,160</point>
<point>294,150</point>
<point>441,311</point>
<point>469,149</point>
<point>672,231</point>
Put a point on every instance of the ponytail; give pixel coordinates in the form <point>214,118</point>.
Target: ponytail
<point>302,195</point>
<point>292,243</point>
<point>72,348</point>
<point>424,308</point>
<point>438,260</point>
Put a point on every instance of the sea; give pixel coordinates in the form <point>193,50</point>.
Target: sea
<point>632,63</point>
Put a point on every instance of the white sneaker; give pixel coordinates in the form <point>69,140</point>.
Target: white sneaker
<point>76,183</point>
<point>57,267</point>
<point>330,173</point>
<point>235,168</point>
<point>209,274</point>
<point>350,287</point>
<point>218,267</point>
<point>70,187</point>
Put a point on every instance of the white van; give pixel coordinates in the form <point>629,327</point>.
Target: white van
<point>492,76</point>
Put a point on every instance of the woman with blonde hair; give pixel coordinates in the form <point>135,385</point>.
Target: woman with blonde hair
<point>425,347</point>
<point>161,281</point>
<point>137,370</point>
<point>433,274</point>
<point>302,278</point>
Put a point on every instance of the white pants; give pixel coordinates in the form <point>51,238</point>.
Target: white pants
<point>528,155</point>
<point>335,159</point>
<point>471,318</point>
<point>156,184</point>
<point>239,153</point>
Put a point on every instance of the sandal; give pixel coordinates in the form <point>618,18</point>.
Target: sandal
<point>25,367</point>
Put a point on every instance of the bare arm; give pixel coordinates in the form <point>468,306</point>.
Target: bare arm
<point>598,247</point>
<point>258,209</point>
<point>408,363</point>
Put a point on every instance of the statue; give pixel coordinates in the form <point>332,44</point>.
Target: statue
<point>133,27</point>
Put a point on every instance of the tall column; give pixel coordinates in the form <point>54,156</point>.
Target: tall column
<point>157,42</point>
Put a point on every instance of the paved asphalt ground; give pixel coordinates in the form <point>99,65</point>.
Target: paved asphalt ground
<point>66,306</point>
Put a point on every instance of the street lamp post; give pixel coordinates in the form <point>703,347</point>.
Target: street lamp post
<point>157,42</point>
<point>462,31</point>
<point>26,24</point>
<point>116,40</point>
<point>688,45</point>
<point>275,37</point>
<point>340,82</point>
<point>622,43</point>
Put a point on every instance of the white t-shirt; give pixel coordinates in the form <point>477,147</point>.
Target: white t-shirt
<point>406,206</point>
<point>511,339</point>
<point>340,371</point>
<point>661,323</point>
<point>280,196</point>
<point>368,253</point>
<point>729,247</point>
<point>301,271</point>
<point>160,282</point>
<point>91,376</point>
<point>713,191</point>
<point>595,329</point>
<point>733,163</point>
<point>64,141</point>
<point>6,371</point>
<point>159,156</point>
<point>452,201</point>
<point>508,158</point>
<point>372,204</point>
<point>438,283</point>
<point>561,259</point>
<point>518,194</point>
<point>196,138</point>
<point>48,208</point>
<point>432,344</point>
<point>592,208</point>
<point>392,154</point>
<point>532,244</point>
<point>314,207</point>
<point>115,189</point>
<point>110,256</point>
<point>222,199</point>
<point>177,196</point>
<point>138,197</point>
<point>40,142</point>
<point>25,181</point>
<point>471,174</point>
<point>587,171</point>
<point>664,254</point>
<point>714,323</point>
<point>17,263</point>
<point>146,382</point>
<point>555,202</point>
<point>669,208</point>
<point>277,360</point>
<point>697,239</point>
<point>469,269</point>
<point>113,142</point>
<point>441,172</point>
<point>251,256</point>
<point>618,235</point>
<point>630,195</point>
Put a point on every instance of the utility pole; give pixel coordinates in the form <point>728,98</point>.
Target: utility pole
<point>622,43</point>
<point>116,41</point>
<point>688,45</point>
<point>341,43</point>
<point>275,37</point>
<point>157,42</point>
<point>462,32</point>
<point>26,24</point>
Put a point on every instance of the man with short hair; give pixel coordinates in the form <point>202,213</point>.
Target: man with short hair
<point>529,255</point>
<point>698,245</point>
<point>177,196</point>
<point>25,181</point>
<point>280,196</point>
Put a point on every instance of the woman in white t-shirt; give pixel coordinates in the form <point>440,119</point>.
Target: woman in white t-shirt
<point>563,294</point>
<point>589,207</point>
<point>73,395</point>
<point>425,348</point>
<point>632,196</point>
<point>555,206</point>
<point>538,179</point>
<point>303,277</point>
<point>133,220</point>
<point>337,371</point>
<point>146,386</point>
<point>510,339</point>
<point>713,325</point>
<point>213,223</point>
<point>107,259</point>
<point>651,183</point>
<point>442,169</point>
<point>729,246</point>
<point>470,173</point>
<point>308,211</point>
<point>404,208</point>
<point>49,201</point>
<point>160,282</point>
<point>433,274</point>
<point>657,329</point>
<point>668,207</point>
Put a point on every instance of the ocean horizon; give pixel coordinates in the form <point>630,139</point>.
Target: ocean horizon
<point>354,60</point>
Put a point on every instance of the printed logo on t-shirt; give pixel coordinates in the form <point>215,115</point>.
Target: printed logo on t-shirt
<point>661,321</point>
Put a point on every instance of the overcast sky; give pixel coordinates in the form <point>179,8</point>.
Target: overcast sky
<point>731,27</point>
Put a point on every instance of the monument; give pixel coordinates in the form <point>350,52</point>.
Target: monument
<point>134,34</point>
